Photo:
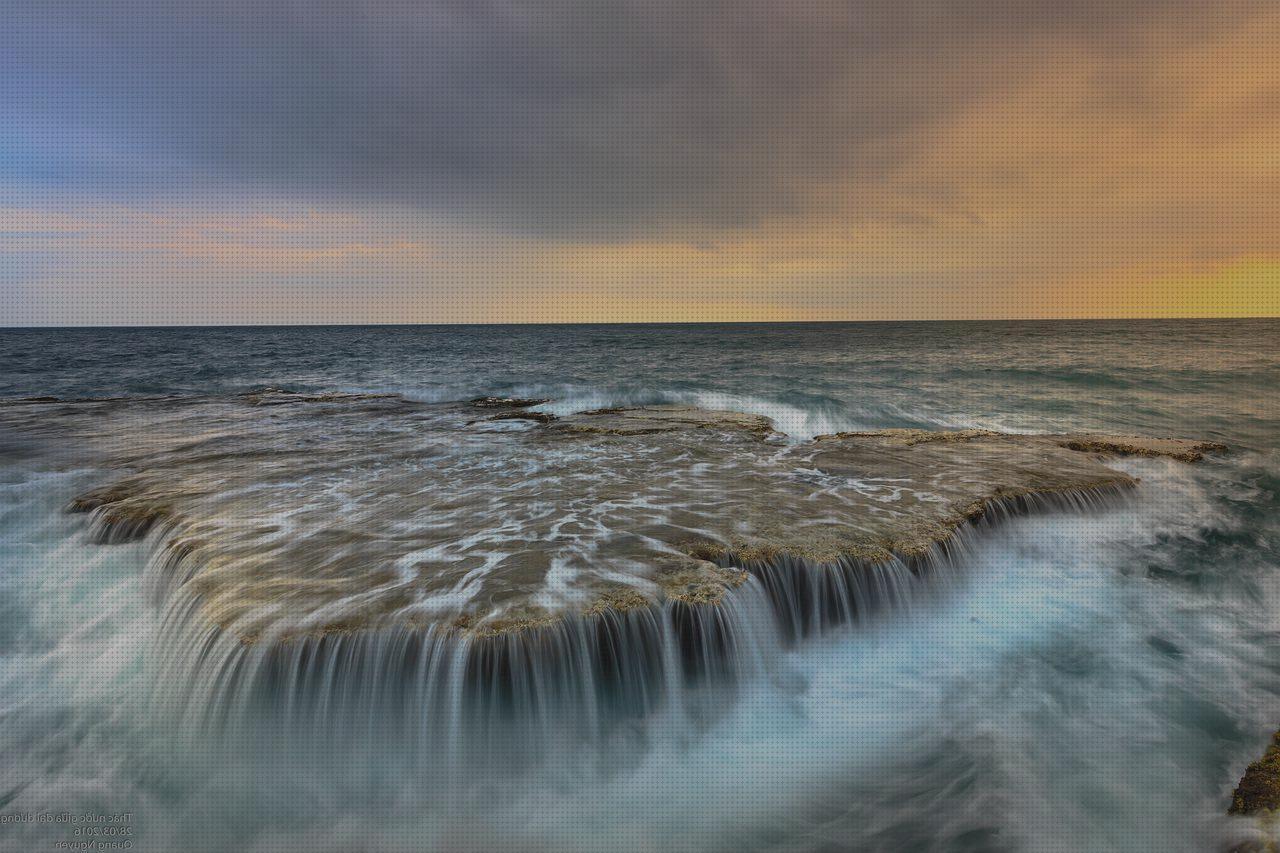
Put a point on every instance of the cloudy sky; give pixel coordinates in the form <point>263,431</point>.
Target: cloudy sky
<point>460,162</point>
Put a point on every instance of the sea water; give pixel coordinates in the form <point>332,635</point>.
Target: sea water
<point>1092,680</point>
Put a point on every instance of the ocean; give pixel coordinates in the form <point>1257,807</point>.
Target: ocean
<point>1092,676</point>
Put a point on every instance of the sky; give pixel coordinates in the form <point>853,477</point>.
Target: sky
<point>279,162</point>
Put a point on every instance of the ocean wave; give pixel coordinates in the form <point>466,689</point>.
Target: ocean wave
<point>799,417</point>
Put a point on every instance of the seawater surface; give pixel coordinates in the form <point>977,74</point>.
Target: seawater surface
<point>1091,680</point>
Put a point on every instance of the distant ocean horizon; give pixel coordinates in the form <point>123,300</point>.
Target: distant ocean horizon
<point>902,321</point>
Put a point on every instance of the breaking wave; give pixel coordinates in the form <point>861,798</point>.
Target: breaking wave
<point>799,417</point>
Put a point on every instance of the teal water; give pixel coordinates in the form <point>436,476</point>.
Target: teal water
<point>1213,378</point>
<point>1092,682</point>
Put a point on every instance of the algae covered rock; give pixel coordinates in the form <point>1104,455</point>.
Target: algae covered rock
<point>1259,788</point>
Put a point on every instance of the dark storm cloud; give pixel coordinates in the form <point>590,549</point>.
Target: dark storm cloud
<point>582,120</point>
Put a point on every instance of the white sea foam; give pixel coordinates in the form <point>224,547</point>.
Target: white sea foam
<point>1051,697</point>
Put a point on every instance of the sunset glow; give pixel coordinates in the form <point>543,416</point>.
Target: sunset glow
<point>823,162</point>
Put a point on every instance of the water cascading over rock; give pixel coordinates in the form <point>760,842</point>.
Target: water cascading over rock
<point>495,579</point>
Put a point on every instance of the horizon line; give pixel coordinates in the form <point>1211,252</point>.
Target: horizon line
<point>478,323</point>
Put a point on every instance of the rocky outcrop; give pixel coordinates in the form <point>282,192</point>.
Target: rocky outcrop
<point>346,517</point>
<point>1259,788</point>
<point>121,513</point>
<point>594,560</point>
<point>517,415</point>
<point>505,402</point>
<point>281,397</point>
<point>1183,450</point>
<point>651,420</point>
<point>1173,448</point>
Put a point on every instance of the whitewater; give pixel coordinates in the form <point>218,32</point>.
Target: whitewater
<point>1085,676</point>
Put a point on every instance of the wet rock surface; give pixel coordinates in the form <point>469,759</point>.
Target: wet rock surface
<point>506,402</point>
<point>283,514</point>
<point>1259,790</point>
<point>651,420</point>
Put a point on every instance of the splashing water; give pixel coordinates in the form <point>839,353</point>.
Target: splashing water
<point>1088,677</point>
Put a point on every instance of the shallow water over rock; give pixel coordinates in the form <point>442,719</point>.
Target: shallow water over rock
<point>286,514</point>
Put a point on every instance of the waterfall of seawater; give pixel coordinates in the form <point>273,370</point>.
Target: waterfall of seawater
<point>1017,686</point>
<point>586,685</point>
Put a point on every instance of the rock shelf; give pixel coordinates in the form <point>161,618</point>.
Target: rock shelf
<point>289,514</point>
